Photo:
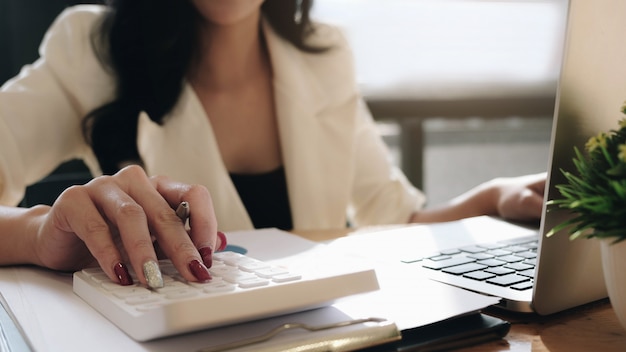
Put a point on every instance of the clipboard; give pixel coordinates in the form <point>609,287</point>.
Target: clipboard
<point>373,335</point>
<point>339,336</point>
<point>463,331</point>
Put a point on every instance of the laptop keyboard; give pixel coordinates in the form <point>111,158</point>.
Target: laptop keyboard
<point>509,264</point>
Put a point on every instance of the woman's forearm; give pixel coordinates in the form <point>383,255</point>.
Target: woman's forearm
<point>514,198</point>
<point>18,231</point>
<point>481,200</point>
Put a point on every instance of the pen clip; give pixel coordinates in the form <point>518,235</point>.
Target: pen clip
<point>284,327</point>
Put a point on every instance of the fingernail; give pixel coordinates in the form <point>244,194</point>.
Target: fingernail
<point>223,241</point>
<point>199,271</point>
<point>152,273</point>
<point>123,277</point>
<point>207,256</point>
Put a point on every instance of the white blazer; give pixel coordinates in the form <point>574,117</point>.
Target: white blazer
<point>337,166</point>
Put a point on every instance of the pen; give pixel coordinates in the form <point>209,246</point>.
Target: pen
<point>183,211</point>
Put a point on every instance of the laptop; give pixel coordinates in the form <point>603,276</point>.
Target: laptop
<point>591,90</point>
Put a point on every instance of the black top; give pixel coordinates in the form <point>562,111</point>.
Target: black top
<point>265,198</point>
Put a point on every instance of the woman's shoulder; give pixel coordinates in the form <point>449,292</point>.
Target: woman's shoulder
<point>80,14</point>
<point>83,11</point>
<point>67,51</point>
<point>73,25</point>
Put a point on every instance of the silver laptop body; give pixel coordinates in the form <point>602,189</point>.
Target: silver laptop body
<point>591,91</point>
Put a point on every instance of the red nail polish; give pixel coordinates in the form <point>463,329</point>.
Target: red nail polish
<point>199,271</point>
<point>123,277</point>
<point>223,240</point>
<point>207,256</point>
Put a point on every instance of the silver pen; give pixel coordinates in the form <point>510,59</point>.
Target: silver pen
<point>183,211</point>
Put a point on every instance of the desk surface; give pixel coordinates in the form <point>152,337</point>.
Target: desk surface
<point>593,327</point>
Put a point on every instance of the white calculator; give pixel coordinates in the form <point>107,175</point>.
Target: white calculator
<point>242,289</point>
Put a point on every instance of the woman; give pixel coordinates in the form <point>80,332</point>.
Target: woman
<point>246,98</point>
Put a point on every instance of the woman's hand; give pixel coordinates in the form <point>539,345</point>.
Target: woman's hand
<point>114,221</point>
<point>520,198</point>
<point>514,198</point>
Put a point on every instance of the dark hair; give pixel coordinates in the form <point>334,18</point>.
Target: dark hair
<point>149,46</point>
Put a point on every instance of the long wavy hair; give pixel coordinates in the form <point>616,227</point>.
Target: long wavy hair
<point>149,46</point>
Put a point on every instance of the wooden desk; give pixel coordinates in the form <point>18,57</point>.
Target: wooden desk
<point>593,327</point>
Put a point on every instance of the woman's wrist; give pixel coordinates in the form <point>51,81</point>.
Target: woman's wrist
<point>481,200</point>
<point>486,197</point>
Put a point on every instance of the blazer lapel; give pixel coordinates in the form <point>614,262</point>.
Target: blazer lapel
<point>311,139</point>
<point>184,148</point>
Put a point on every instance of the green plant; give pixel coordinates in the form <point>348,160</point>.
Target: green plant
<point>596,194</point>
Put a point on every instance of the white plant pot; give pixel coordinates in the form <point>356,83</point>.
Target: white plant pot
<point>614,267</point>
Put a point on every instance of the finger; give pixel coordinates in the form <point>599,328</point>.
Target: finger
<point>202,221</point>
<point>531,205</point>
<point>163,224</point>
<point>76,210</point>
<point>131,223</point>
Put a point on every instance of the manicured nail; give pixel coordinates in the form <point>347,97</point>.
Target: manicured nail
<point>123,277</point>
<point>223,241</point>
<point>152,274</point>
<point>199,271</point>
<point>207,256</point>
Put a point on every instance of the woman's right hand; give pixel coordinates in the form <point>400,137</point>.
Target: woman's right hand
<point>117,221</point>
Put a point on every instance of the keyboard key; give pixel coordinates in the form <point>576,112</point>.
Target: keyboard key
<point>515,249</point>
<point>518,266</point>
<point>143,299</point>
<point>492,262</point>
<point>498,252</point>
<point>172,285</point>
<point>531,261</point>
<point>238,276</point>
<point>527,255</point>
<point>129,291</point>
<point>269,272</point>
<point>479,275</point>
<point>219,287</point>
<point>500,270</point>
<point>510,258</point>
<point>529,273</point>
<point>507,280</point>
<point>286,277</point>
<point>436,265</point>
<point>253,282</point>
<point>409,260</point>
<point>181,293</point>
<point>527,285</point>
<point>100,277</point>
<point>473,249</point>
<point>253,265</point>
<point>491,245</point>
<point>480,256</point>
<point>462,269</point>
<point>440,257</point>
